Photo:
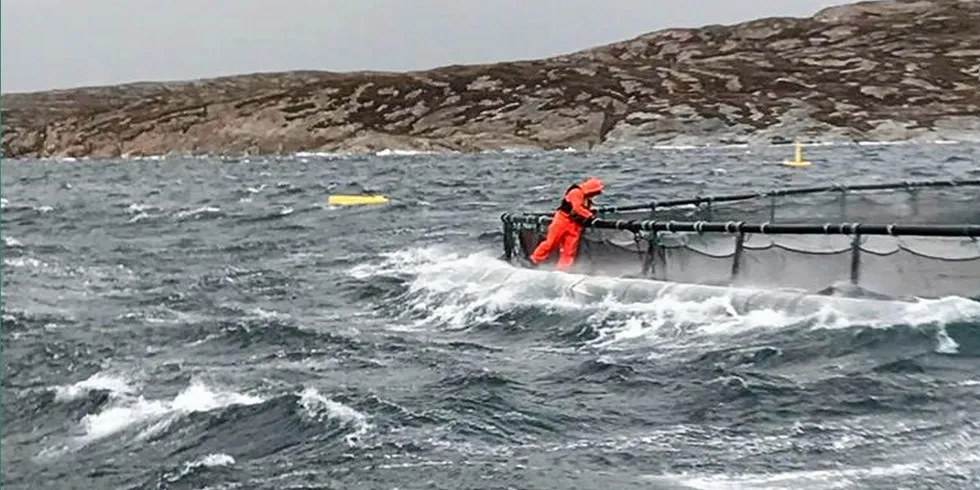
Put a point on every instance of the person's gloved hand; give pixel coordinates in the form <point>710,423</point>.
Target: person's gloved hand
<point>590,220</point>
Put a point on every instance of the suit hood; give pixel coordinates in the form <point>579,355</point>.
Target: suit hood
<point>591,186</point>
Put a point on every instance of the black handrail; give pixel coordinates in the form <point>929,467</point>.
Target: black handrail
<point>895,229</point>
<point>782,192</point>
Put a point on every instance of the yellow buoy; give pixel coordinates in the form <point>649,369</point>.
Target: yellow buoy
<point>355,200</point>
<point>797,160</point>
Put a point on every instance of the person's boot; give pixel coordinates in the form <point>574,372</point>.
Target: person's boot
<point>527,263</point>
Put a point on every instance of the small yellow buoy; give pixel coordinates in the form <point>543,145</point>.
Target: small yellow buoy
<point>797,160</point>
<point>355,200</point>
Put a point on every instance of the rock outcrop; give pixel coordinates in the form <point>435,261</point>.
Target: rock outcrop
<point>886,70</point>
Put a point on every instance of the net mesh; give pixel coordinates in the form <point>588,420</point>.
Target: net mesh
<point>903,266</point>
<point>921,205</point>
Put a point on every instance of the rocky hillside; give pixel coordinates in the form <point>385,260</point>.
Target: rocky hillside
<point>868,71</point>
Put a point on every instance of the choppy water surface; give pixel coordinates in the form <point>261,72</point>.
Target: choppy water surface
<point>209,323</point>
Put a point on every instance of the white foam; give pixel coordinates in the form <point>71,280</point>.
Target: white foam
<point>926,313</point>
<point>139,217</point>
<point>127,410</point>
<point>12,242</point>
<point>389,152</point>
<point>317,407</point>
<point>212,460</point>
<point>854,477</point>
<point>675,322</point>
<point>456,291</point>
<point>139,208</point>
<point>266,314</point>
<point>115,384</point>
<point>450,290</point>
<point>24,262</point>
<point>194,213</point>
<point>320,154</point>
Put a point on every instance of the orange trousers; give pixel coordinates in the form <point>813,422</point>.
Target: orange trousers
<point>564,234</point>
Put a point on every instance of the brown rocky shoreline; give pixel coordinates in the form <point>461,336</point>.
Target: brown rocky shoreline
<point>886,70</point>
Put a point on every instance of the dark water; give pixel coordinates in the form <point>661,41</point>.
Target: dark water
<point>196,323</point>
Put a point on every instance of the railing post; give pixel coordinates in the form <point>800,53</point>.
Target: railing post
<point>856,259</point>
<point>737,257</point>
<point>508,239</point>
<point>648,262</point>
<point>843,204</point>
<point>659,255</point>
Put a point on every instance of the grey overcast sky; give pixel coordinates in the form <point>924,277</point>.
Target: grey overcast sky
<point>67,43</point>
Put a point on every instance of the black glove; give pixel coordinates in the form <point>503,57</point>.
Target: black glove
<point>590,220</point>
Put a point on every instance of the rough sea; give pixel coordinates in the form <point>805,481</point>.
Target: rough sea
<point>192,323</point>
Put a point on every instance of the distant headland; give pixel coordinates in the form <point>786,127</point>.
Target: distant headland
<point>882,71</point>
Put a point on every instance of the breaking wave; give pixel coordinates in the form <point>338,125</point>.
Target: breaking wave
<point>437,288</point>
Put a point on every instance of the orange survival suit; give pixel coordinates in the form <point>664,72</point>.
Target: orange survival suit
<point>565,229</point>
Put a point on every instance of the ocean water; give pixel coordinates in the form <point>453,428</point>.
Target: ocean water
<point>190,323</point>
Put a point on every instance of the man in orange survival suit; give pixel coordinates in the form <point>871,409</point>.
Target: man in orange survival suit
<point>565,229</point>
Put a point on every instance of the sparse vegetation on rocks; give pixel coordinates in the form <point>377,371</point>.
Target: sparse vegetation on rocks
<point>887,70</point>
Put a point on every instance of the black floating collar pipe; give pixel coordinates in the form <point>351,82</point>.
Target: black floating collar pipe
<point>896,229</point>
<point>787,192</point>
